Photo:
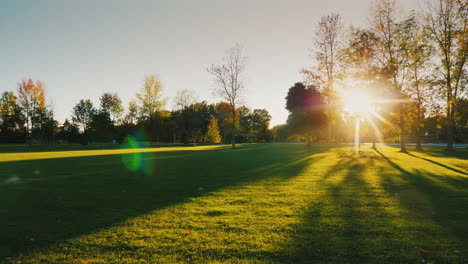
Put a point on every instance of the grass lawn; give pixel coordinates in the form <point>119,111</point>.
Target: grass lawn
<point>271,203</point>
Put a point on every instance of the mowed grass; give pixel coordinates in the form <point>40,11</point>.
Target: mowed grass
<point>271,203</point>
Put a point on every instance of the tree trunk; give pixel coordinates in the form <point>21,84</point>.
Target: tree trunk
<point>450,126</point>
<point>418,128</point>
<point>373,139</point>
<point>233,140</point>
<point>402,129</point>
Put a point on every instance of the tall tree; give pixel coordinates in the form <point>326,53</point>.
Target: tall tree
<point>419,52</point>
<point>447,22</point>
<point>228,80</point>
<point>150,99</point>
<point>391,53</point>
<point>150,102</point>
<point>328,43</point>
<point>31,98</point>
<point>83,113</point>
<point>360,54</point>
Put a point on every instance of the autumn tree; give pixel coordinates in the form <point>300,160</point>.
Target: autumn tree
<point>83,113</point>
<point>447,22</point>
<point>31,98</point>
<point>228,80</point>
<point>212,133</point>
<point>223,113</point>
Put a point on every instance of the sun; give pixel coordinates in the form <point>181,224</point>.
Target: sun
<point>357,103</point>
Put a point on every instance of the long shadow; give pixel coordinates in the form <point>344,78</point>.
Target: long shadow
<point>344,225</point>
<point>383,220</point>
<point>438,151</point>
<point>437,198</point>
<point>439,164</point>
<point>48,201</point>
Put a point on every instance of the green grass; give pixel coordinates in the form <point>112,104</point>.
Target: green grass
<point>271,203</point>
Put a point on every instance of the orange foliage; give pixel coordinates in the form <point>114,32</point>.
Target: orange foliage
<point>31,94</point>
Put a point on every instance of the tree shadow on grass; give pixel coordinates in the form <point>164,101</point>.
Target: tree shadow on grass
<point>345,225</point>
<point>439,164</point>
<point>48,201</point>
<point>385,218</point>
<point>437,198</point>
<point>438,151</point>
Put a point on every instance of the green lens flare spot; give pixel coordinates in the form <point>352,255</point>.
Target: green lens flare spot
<point>132,161</point>
<point>37,172</point>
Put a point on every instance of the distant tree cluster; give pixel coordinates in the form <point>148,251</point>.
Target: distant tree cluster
<point>413,64</point>
<point>25,117</point>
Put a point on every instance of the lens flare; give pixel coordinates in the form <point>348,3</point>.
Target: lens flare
<point>132,161</point>
<point>138,161</point>
<point>357,103</point>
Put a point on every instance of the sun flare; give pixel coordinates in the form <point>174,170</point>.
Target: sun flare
<point>357,103</point>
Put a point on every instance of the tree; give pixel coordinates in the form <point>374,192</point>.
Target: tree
<point>245,119</point>
<point>391,53</point>
<point>224,115</point>
<point>149,99</point>
<point>194,121</point>
<point>47,126</point>
<point>112,106</point>
<point>328,43</point>
<point>260,119</point>
<point>31,98</point>
<point>360,54</point>
<point>11,118</point>
<point>83,113</point>
<point>447,22</point>
<point>419,52</point>
<point>228,81</point>
<point>132,116</point>
<point>69,132</point>
<point>212,133</point>
<point>307,109</point>
<point>461,118</point>
<point>150,102</point>
<point>101,127</point>
<point>184,98</point>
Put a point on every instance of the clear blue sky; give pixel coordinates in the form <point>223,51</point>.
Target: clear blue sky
<point>83,48</point>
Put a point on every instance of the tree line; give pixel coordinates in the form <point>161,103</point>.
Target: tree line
<point>25,117</point>
<point>412,63</point>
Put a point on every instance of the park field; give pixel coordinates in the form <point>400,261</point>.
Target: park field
<point>259,203</point>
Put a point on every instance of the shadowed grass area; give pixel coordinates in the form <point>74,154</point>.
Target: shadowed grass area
<point>272,203</point>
